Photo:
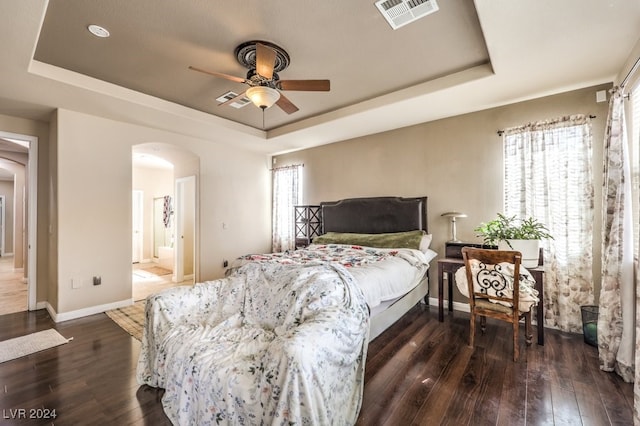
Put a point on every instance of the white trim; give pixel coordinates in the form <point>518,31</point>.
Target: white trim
<point>3,215</point>
<point>32,243</point>
<point>180,208</point>
<point>189,277</point>
<point>137,211</point>
<point>92,310</point>
<point>457,306</point>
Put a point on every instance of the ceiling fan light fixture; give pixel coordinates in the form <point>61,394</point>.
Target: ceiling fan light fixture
<point>262,96</point>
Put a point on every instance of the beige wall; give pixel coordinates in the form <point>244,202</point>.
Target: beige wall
<point>6,189</point>
<point>93,205</point>
<point>457,162</point>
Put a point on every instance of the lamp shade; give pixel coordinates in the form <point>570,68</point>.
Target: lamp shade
<point>262,96</point>
<point>453,214</point>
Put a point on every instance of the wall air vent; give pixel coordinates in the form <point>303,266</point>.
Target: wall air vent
<point>401,12</point>
<point>230,95</point>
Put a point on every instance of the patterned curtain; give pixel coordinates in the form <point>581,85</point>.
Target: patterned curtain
<point>286,194</point>
<point>616,316</point>
<point>548,176</point>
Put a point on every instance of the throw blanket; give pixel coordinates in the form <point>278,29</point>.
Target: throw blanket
<point>270,344</point>
<point>528,296</point>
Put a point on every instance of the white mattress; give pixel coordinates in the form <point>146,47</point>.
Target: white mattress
<point>385,281</point>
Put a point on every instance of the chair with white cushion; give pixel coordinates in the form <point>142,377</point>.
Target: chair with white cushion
<point>492,276</point>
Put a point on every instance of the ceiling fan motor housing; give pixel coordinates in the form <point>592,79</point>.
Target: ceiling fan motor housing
<point>255,79</point>
<point>246,55</point>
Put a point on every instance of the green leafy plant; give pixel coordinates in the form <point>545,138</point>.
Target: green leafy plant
<point>511,228</point>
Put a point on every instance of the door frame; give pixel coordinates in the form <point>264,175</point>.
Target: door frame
<point>31,186</point>
<point>182,206</point>
<point>139,212</point>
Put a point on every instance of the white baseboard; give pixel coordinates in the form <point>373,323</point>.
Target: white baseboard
<point>186,277</point>
<point>66,316</point>
<point>457,306</point>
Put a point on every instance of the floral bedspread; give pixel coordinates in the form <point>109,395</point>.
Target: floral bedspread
<point>346,255</point>
<point>271,344</point>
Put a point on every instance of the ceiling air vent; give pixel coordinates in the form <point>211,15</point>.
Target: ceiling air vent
<point>401,12</point>
<point>236,104</point>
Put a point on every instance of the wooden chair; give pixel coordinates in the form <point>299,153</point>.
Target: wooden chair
<point>492,280</point>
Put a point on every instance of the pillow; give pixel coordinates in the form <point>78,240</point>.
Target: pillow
<point>425,242</point>
<point>409,239</point>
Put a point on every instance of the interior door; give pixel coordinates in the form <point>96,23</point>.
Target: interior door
<point>185,209</point>
<point>137,222</point>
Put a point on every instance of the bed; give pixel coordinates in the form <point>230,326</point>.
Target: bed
<point>283,339</point>
<point>380,215</point>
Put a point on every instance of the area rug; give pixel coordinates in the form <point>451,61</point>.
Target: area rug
<point>30,344</point>
<point>157,270</point>
<point>130,318</point>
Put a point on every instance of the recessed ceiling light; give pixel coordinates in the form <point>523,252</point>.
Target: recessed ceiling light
<point>98,31</point>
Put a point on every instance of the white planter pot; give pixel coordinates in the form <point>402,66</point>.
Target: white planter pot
<point>530,250</point>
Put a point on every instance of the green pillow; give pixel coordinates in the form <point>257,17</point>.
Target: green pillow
<point>409,239</point>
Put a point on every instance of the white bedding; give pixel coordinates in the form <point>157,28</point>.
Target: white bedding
<point>281,340</point>
<point>392,278</point>
<point>382,274</point>
<point>271,344</point>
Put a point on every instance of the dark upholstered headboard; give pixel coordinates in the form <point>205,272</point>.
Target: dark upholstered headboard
<point>375,215</point>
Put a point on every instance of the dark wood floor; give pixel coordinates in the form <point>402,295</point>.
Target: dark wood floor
<point>418,372</point>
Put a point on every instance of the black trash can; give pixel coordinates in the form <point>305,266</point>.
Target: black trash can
<point>590,324</point>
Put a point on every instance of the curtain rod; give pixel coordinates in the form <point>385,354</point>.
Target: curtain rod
<point>501,132</point>
<point>291,166</point>
<point>632,71</point>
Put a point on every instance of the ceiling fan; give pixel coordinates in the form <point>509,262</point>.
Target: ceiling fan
<point>264,60</point>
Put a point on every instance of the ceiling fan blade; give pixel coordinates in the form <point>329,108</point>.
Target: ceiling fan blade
<point>219,74</point>
<point>265,60</point>
<point>286,105</point>
<point>305,85</point>
<point>232,100</point>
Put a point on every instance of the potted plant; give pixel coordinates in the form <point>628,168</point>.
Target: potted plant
<point>510,233</point>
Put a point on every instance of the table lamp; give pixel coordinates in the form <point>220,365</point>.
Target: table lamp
<point>453,216</point>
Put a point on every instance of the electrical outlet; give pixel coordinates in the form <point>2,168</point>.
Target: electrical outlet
<point>97,280</point>
<point>75,283</point>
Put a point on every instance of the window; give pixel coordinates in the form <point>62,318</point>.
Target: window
<point>287,192</point>
<point>634,140</point>
<point>548,175</point>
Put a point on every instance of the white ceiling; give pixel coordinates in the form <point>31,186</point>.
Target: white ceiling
<point>466,57</point>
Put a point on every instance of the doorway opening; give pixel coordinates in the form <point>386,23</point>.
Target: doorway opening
<point>163,219</point>
<point>18,222</point>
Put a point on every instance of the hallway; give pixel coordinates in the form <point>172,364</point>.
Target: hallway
<point>13,291</point>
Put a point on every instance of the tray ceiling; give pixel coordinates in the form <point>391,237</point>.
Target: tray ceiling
<point>153,42</point>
